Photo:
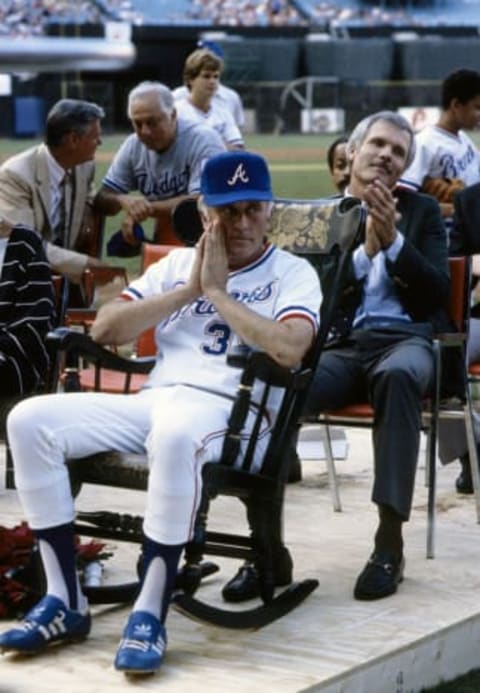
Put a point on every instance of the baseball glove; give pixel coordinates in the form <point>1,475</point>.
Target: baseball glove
<point>443,189</point>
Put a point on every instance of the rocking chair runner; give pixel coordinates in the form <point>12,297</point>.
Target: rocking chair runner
<point>324,231</point>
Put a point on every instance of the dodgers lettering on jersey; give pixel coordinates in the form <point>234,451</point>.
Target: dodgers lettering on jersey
<point>169,184</point>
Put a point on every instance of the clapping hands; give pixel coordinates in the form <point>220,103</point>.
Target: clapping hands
<point>382,217</point>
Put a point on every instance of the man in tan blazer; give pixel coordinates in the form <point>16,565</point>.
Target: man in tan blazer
<point>32,184</point>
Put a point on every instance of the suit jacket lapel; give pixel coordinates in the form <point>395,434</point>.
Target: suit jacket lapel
<point>42,177</point>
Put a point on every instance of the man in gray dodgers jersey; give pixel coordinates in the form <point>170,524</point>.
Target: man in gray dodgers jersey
<point>162,160</point>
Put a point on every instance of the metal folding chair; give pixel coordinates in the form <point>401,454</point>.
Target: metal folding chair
<point>361,414</point>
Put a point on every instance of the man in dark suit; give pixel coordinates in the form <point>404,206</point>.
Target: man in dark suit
<point>464,240</point>
<point>465,236</point>
<point>382,344</point>
<point>381,341</point>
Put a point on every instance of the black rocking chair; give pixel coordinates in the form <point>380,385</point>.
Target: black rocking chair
<point>324,231</point>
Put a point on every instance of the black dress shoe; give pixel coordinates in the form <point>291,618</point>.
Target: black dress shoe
<point>380,577</point>
<point>464,481</point>
<point>244,585</point>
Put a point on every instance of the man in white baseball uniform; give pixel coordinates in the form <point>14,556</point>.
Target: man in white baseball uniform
<point>225,96</point>
<point>233,287</point>
<point>201,74</point>
<point>445,154</point>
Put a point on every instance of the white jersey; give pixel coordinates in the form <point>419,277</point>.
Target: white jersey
<point>192,343</point>
<point>163,175</point>
<point>217,117</point>
<point>226,96</point>
<point>441,154</point>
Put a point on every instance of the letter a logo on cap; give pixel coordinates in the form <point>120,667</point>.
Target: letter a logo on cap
<point>239,175</point>
<point>235,177</point>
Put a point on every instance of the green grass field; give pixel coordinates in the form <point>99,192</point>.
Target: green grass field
<point>297,162</point>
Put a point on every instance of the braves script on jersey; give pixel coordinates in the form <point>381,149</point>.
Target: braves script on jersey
<point>194,340</point>
<point>441,154</point>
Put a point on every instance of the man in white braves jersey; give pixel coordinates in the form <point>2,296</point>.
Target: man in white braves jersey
<point>446,158</point>
<point>161,160</point>
<point>233,287</point>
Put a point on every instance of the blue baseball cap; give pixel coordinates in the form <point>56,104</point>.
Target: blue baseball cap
<point>211,46</point>
<point>117,245</point>
<point>235,176</point>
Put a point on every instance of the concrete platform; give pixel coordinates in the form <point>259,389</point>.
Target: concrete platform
<point>429,631</point>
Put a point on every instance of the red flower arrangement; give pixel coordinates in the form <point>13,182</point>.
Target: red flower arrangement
<point>21,575</point>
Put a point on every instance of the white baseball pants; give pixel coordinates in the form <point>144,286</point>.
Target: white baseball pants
<point>179,427</point>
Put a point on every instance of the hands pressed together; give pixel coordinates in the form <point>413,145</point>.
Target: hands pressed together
<point>210,269</point>
<point>381,219</point>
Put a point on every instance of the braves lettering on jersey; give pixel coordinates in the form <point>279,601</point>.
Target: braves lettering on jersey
<point>441,154</point>
<point>217,117</point>
<point>167,174</point>
<point>195,339</point>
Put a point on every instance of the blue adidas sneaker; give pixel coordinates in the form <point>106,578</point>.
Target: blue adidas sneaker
<point>143,644</point>
<point>50,621</point>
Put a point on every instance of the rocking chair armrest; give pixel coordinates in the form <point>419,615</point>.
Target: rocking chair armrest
<point>144,364</point>
<point>82,345</point>
<point>83,317</point>
<point>263,367</point>
<point>447,339</point>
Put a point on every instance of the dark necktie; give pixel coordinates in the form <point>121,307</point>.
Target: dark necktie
<point>60,231</point>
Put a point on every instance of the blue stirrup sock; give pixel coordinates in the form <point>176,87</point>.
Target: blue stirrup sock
<point>57,550</point>
<point>158,574</point>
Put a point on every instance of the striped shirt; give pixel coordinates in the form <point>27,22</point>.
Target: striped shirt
<point>27,313</point>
